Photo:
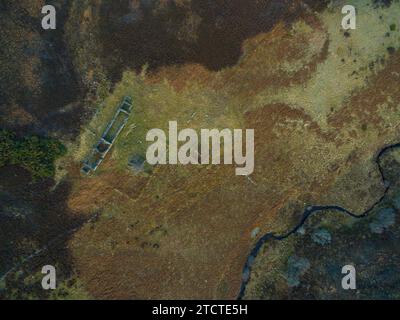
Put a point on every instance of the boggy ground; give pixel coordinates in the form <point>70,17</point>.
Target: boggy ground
<point>322,104</point>
<point>308,264</point>
<point>39,89</point>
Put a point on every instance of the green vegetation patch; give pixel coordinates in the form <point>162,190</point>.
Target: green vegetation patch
<point>33,153</point>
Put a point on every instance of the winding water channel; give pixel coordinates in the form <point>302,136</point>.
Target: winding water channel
<point>308,211</point>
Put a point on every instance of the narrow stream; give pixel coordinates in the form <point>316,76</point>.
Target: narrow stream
<point>308,211</point>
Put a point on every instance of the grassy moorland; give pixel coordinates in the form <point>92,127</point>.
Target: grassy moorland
<point>308,263</point>
<point>322,103</point>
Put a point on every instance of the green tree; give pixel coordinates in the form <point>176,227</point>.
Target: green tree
<point>36,154</point>
<point>6,146</point>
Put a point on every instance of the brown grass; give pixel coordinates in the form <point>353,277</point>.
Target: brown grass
<point>185,232</point>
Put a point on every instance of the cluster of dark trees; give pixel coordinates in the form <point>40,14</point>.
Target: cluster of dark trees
<point>33,153</point>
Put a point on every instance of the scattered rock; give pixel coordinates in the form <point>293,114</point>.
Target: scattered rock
<point>297,266</point>
<point>137,163</point>
<point>396,203</point>
<point>321,236</point>
<point>301,230</point>
<point>255,232</point>
<point>384,219</point>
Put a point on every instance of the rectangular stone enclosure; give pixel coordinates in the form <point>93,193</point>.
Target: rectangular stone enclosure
<point>110,134</point>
